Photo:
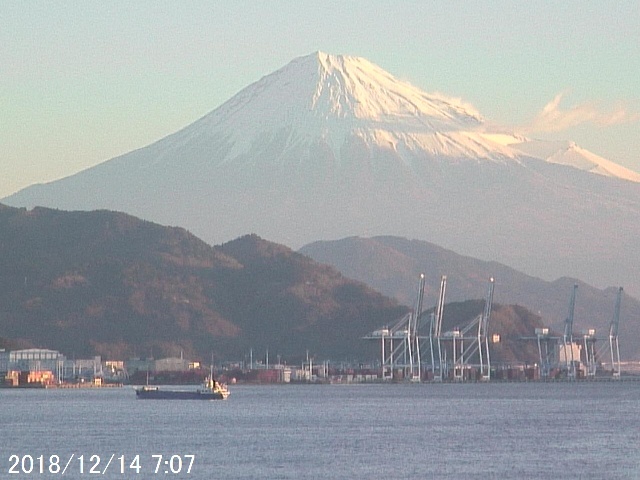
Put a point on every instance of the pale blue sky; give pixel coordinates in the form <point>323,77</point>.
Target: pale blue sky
<point>84,81</point>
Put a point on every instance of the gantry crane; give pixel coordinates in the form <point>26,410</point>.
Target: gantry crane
<point>476,344</point>
<point>483,334</point>
<point>400,342</point>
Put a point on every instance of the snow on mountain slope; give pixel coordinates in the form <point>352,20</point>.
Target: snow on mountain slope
<point>570,154</point>
<point>563,152</point>
<point>329,98</point>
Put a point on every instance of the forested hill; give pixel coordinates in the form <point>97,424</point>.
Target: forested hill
<point>110,284</point>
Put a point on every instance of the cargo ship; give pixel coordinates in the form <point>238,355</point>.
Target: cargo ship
<point>209,390</point>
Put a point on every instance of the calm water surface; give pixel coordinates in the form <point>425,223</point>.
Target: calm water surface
<point>505,431</point>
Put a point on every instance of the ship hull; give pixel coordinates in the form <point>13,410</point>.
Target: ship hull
<point>176,395</point>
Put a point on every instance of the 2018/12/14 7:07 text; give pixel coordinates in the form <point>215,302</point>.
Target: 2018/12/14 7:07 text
<point>157,463</point>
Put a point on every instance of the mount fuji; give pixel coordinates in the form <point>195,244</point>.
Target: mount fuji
<point>334,146</point>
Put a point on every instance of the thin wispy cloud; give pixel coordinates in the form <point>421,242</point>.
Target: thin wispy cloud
<point>555,118</point>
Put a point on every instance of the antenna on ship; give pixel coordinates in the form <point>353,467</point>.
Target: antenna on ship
<point>211,370</point>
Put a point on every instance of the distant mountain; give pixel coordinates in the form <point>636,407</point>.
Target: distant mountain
<point>330,146</point>
<point>570,154</point>
<point>391,265</point>
<point>107,283</point>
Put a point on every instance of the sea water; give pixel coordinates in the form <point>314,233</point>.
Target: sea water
<point>574,430</point>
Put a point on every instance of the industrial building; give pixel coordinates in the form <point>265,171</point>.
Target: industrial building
<point>43,366</point>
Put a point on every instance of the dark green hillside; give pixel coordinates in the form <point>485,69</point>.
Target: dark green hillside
<point>107,283</point>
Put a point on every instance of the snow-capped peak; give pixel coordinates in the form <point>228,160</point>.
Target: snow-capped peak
<point>333,98</point>
<point>354,86</point>
<point>569,154</point>
<point>323,86</point>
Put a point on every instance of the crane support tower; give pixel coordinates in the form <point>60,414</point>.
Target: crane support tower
<point>589,337</point>
<point>567,337</point>
<point>613,337</point>
<point>414,338</point>
<point>435,332</point>
<point>545,351</point>
<point>483,334</point>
